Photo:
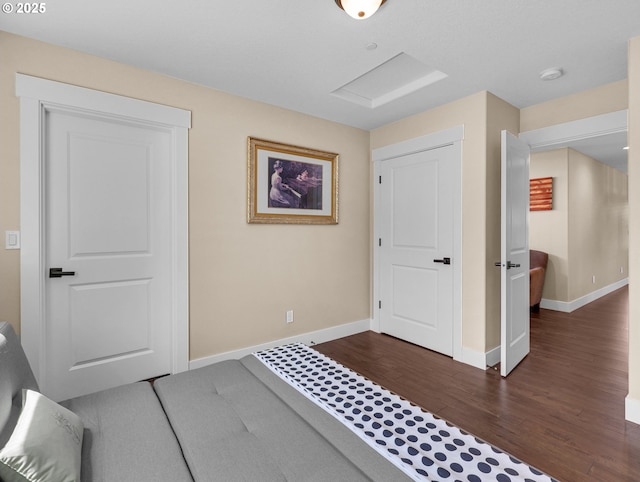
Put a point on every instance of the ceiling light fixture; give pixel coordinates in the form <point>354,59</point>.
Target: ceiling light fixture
<point>551,74</point>
<point>360,9</point>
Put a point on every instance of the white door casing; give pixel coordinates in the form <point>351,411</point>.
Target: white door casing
<point>117,186</point>
<point>514,254</point>
<point>417,220</point>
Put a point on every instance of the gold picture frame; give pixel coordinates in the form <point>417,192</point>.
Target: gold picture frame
<point>291,184</point>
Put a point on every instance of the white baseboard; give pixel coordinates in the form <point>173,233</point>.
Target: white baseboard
<point>493,356</point>
<point>474,358</point>
<point>632,409</point>
<point>480,360</point>
<point>311,338</point>
<point>569,306</point>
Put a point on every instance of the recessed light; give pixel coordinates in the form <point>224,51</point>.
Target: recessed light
<point>626,148</point>
<point>371,46</point>
<point>551,74</point>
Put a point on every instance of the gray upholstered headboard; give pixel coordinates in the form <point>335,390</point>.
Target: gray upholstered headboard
<point>15,374</point>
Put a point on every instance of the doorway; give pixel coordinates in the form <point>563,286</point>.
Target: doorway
<point>601,138</point>
<point>104,237</point>
<point>417,272</point>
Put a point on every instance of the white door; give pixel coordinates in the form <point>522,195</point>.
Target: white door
<point>514,262</point>
<point>106,197</point>
<point>416,248</point>
<point>104,258</point>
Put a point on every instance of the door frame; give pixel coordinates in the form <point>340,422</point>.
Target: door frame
<point>559,135</point>
<point>35,95</point>
<point>449,137</point>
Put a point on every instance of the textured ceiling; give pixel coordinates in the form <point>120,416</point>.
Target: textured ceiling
<point>296,53</point>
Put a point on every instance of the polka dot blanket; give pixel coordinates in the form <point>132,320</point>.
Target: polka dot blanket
<point>420,444</point>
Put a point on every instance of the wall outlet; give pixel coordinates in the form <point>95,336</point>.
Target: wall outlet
<point>593,279</point>
<point>290,316</point>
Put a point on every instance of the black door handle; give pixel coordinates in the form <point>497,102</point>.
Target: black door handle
<point>509,264</point>
<point>443,260</point>
<point>58,273</point>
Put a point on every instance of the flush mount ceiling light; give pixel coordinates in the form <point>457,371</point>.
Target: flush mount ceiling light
<point>360,9</point>
<point>551,74</point>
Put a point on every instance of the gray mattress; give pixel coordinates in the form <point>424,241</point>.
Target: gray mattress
<point>127,437</point>
<point>237,420</point>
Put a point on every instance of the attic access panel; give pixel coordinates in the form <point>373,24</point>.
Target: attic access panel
<point>397,77</point>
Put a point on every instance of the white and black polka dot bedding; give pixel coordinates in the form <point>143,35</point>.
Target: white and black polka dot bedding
<point>420,444</point>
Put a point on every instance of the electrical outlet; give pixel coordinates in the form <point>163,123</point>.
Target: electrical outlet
<point>290,316</point>
<point>593,279</point>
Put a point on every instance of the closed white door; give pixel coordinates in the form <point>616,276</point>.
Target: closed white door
<point>416,248</point>
<point>108,230</point>
<point>514,263</point>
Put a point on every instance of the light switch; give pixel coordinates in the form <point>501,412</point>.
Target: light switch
<point>12,239</point>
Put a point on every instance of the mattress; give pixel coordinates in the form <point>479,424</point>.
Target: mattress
<point>237,420</point>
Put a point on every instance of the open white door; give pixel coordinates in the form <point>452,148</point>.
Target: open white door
<point>514,255</point>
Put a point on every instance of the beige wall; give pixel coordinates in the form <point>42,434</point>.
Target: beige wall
<point>243,277</point>
<point>586,233</point>
<point>598,225</point>
<point>483,116</point>
<point>634,222</point>
<point>601,100</point>
<point>549,230</point>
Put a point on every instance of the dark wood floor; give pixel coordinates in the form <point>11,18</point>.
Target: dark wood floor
<point>561,410</point>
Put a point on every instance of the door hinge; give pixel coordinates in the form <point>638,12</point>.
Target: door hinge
<point>379,179</point>
<point>379,304</point>
<point>379,241</point>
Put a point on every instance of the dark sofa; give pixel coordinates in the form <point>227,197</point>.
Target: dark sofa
<point>537,270</point>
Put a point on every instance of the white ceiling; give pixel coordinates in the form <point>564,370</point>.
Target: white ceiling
<point>294,54</point>
<point>607,148</point>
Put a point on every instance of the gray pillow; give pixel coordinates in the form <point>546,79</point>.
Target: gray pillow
<point>45,445</point>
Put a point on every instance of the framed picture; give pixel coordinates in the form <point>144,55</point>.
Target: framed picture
<point>290,184</point>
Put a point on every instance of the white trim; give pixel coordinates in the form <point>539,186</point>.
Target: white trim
<point>96,101</point>
<point>180,254</point>
<point>632,409</point>
<point>492,357</point>
<point>311,338</point>
<point>560,134</point>
<point>418,144</point>
<point>35,96</point>
<point>569,306</point>
<point>32,257</point>
<point>453,136</point>
<point>474,358</point>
